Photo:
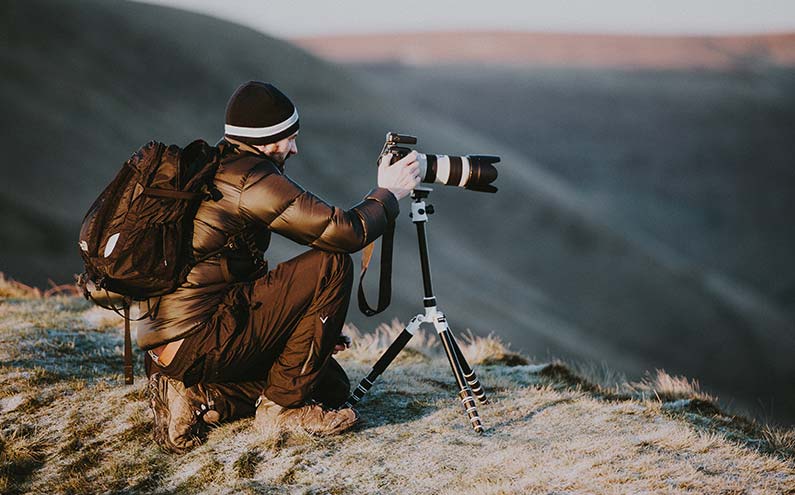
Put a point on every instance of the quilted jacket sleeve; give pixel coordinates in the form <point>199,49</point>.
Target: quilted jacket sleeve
<point>274,200</point>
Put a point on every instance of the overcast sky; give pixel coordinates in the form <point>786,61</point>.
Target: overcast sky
<point>295,18</point>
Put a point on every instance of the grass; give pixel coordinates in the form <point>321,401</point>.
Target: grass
<point>669,388</point>
<point>68,425</point>
<point>22,451</point>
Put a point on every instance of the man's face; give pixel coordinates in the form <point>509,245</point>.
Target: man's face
<point>280,151</point>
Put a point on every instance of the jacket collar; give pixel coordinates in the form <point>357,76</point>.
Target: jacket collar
<point>239,146</point>
<point>231,145</point>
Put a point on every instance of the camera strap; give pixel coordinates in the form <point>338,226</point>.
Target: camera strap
<point>385,284</point>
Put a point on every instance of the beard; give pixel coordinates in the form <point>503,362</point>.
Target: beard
<point>279,160</point>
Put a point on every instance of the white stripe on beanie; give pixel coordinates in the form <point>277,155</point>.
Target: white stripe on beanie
<point>259,132</point>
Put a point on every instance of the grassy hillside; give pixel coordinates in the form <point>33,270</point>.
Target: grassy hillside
<point>67,425</point>
<point>85,83</point>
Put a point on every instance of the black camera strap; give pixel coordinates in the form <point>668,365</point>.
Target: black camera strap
<point>385,284</point>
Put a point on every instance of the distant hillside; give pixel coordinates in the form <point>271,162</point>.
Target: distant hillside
<point>697,161</point>
<point>564,49</point>
<point>85,83</point>
<point>68,425</point>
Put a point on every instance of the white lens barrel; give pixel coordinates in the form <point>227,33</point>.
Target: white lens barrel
<point>464,172</point>
<point>444,168</point>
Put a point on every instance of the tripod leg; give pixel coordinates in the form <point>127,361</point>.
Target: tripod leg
<point>384,361</point>
<point>467,399</point>
<point>469,375</point>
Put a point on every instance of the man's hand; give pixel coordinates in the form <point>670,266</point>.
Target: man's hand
<point>400,177</point>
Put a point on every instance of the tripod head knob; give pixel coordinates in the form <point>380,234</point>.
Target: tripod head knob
<point>429,209</point>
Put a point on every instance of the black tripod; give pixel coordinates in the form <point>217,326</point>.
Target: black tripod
<point>468,383</point>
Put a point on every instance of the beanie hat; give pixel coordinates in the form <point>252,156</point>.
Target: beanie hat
<point>258,113</point>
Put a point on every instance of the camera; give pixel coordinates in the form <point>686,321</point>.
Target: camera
<point>473,172</point>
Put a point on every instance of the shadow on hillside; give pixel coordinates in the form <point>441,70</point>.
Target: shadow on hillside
<point>396,407</point>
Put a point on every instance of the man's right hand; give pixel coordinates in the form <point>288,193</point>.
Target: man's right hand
<point>400,177</point>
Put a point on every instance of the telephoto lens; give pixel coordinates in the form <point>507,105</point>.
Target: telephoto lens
<point>473,172</point>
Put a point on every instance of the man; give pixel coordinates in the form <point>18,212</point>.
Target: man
<point>235,333</point>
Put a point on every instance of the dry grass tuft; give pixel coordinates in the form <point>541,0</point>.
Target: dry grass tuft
<point>12,289</point>
<point>489,350</point>
<point>425,345</point>
<point>368,347</point>
<point>781,441</point>
<point>667,388</point>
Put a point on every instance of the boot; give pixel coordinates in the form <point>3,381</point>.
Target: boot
<point>312,418</point>
<point>181,414</point>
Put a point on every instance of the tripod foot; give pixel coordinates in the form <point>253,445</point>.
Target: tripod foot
<point>468,402</point>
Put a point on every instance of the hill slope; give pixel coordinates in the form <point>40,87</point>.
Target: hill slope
<point>535,262</point>
<point>68,425</point>
<point>698,160</point>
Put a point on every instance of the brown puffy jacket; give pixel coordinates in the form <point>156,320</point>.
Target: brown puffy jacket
<point>258,197</point>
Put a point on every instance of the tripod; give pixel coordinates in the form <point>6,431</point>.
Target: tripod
<point>468,383</point>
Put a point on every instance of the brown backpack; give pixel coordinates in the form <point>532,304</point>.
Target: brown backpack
<point>135,240</point>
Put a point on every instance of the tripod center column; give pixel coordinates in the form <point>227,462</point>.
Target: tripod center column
<point>419,215</point>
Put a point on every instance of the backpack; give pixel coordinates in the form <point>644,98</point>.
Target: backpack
<point>135,240</point>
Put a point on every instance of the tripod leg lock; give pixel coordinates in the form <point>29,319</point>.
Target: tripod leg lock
<point>477,388</point>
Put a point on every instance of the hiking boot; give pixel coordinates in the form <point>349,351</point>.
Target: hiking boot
<point>312,418</point>
<point>181,414</point>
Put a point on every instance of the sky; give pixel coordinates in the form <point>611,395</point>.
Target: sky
<point>299,18</point>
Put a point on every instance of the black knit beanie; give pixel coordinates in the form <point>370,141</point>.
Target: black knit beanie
<point>258,113</point>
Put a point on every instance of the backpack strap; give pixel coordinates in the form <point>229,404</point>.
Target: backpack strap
<point>124,312</point>
<point>168,193</point>
<point>128,363</point>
